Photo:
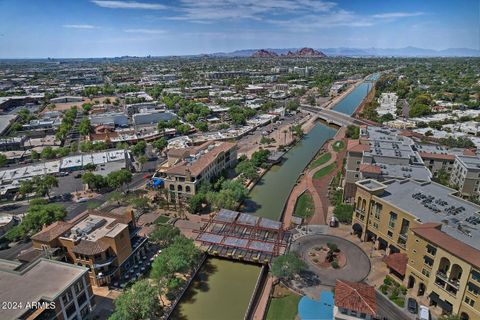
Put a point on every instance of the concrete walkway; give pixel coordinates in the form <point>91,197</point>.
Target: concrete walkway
<point>261,308</point>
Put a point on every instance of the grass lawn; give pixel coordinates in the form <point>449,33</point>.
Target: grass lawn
<point>338,146</point>
<point>285,308</point>
<point>304,207</point>
<point>320,160</point>
<point>324,171</point>
<point>162,219</point>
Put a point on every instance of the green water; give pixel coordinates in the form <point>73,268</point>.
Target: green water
<point>269,196</point>
<point>221,290</point>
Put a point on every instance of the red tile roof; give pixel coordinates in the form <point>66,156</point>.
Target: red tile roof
<point>356,146</point>
<point>370,168</point>
<point>434,235</point>
<point>439,156</point>
<point>52,231</point>
<point>397,262</point>
<point>355,296</point>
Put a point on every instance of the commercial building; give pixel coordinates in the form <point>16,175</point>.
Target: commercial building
<point>188,167</point>
<point>45,289</point>
<point>106,243</point>
<point>431,237</point>
<point>466,175</point>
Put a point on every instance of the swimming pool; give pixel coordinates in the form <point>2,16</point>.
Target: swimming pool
<point>309,309</point>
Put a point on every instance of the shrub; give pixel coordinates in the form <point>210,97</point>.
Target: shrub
<point>334,264</point>
<point>403,290</point>
<point>384,289</point>
<point>387,281</point>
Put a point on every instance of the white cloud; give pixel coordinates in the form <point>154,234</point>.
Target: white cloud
<point>79,26</point>
<point>113,4</point>
<point>145,31</point>
<point>395,15</point>
<point>213,10</point>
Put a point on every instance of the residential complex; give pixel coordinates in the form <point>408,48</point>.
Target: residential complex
<point>432,236</point>
<point>45,289</point>
<point>105,243</point>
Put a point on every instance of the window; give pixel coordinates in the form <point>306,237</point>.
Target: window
<point>469,301</point>
<point>476,275</point>
<point>431,249</point>
<point>81,299</point>
<point>389,234</point>
<point>428,261</point>
<point>172,187</point>
<point>393,220</point>
<point>70,310</point>
<point>78,287</point>
<point>67,297</point>
<point>473,288</point>
<point>425,272</point>
<point>375,225</point>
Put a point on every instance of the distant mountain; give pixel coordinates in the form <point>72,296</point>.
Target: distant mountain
<point>363,52</point>
<point>262,53</point>
<point>306,53</point>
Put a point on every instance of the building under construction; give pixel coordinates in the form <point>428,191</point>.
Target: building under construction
<point>243,236</point>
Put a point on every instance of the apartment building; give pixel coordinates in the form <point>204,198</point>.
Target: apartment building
<point>381,154</point>
<point>431,237</point>
<point>45,289</point>
<point>188,167</point>
<point>106,243</point>
<point>466,175</point>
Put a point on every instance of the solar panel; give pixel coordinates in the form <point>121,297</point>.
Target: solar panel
<point>247,219</point>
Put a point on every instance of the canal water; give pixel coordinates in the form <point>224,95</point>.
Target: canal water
<point>222,289</point>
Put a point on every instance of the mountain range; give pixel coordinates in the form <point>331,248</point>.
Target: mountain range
<point>365,52</point>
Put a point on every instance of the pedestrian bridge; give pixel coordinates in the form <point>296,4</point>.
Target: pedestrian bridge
<point>333,117</point>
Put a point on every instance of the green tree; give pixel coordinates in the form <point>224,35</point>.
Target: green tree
<point>36,217</point>
<point>195,203</point>
<point>140,302</point>
<point>117,179</point>
<point>139,148</point>
<point>3,159</point>
<point>344,213</point>
<point>201,125</point>
<point>247,169</point>
<point>353,132</point>
<point>48,153</point>
<point>164,235</point>
<point>287,266</point>
<point>84,128</point>
<point>160,144</point>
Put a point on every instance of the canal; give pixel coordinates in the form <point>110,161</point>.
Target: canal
<point>222,289</point>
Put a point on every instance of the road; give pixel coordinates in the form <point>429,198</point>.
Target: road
<point>387,310</point>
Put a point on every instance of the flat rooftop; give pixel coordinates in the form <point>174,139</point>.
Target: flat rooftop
<point>433,202</point>
<point>43,280</point>
<point>472,163</point>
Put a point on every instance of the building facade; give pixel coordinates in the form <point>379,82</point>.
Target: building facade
<point>435,231</point>
<point>104,243</point>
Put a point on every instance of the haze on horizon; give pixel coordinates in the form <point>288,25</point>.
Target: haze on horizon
<point>108,28</point>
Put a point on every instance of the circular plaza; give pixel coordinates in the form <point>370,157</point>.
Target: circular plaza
<point>331,258</point>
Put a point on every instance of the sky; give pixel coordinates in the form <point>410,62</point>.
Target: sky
<point>109,28</point>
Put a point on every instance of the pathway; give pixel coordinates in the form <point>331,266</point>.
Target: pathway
<point>261,308</point>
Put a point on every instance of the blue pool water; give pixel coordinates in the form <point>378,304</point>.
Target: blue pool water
<point>322,309</point>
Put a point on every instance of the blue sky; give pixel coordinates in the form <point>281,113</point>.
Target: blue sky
<point>101,28</point>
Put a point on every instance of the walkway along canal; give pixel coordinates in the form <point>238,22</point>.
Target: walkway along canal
<point>222,289</point>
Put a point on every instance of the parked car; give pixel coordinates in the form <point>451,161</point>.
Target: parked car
<point>424,313</point>
<point>412,305</point>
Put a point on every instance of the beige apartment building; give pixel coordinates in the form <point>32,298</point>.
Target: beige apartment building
<point>466,175</point>
<point>188,167</point>
<point>431,237</point>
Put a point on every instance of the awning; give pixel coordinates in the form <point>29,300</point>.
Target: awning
<point>445,305</point>
<point>397,262</point>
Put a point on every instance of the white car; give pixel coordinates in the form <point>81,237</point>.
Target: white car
<point>424,313</point>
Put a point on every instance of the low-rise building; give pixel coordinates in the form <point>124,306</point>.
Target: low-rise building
<point>466,175</point>
<point>45,289</point>
<point>354,301</point>
<point>431,237</point>
<point>190,166</point>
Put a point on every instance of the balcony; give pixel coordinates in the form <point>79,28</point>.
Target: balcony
<point>104,262</point>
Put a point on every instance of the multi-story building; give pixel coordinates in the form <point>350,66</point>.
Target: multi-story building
<point>188,167</point>
<point>432,231</point>
<point>105,243</point>
<point>381,154</point>
<point>45,289</point>
<point>466,175</point>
